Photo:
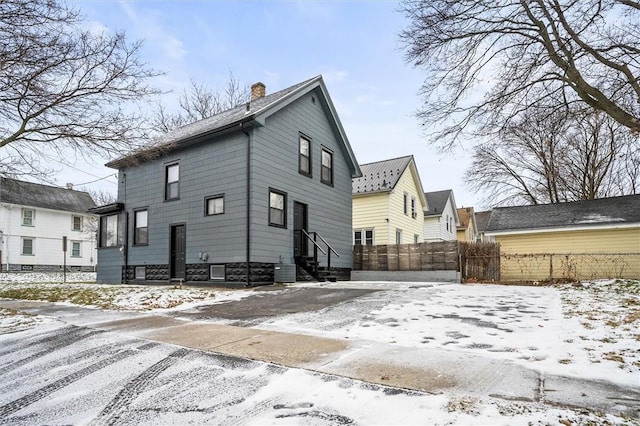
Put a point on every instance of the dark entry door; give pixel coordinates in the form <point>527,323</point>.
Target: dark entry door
<point>178,251</point>
<point>300,242</point>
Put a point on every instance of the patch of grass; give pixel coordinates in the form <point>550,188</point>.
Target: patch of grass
<point>587,325</point>
<point>565,361</point>
<point>467,405</point>
<point>74,295</point>
<point>632,317</point>
<point>612,356</point>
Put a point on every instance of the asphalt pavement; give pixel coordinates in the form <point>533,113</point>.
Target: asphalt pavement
<point>428,370</point>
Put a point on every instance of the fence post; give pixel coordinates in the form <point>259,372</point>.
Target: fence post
<point>550,267</point>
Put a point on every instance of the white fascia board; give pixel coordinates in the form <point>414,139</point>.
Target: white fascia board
<point>562,229</point>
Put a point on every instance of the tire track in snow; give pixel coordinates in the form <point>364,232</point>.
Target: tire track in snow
<point>111,413</point>
<point>27,400</point>
<point>59,338</point>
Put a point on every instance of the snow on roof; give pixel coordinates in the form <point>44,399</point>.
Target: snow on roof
<point>381,176</point>
<point>50,197</point>
<point>614,210</point>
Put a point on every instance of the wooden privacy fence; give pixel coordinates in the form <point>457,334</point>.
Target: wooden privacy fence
<point>480,261</point>
<point>432,256</point>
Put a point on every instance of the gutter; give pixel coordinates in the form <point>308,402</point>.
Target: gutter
<point>248,224</point>
<point>163,148</point>
<point>608,226</point>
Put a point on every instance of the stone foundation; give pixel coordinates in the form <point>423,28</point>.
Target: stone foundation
<point>46,268</point>
<point>235,274</point>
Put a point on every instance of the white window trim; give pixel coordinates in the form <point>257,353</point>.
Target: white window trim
<point>33,217</point>
<point>73,222</point>
<point>33,246</point>
<point>364,236</point>
<point>79,249</point>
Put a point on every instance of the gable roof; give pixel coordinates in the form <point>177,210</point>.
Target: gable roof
<point>437,201</point>
<point>49,197</point>
<point>254,114</point>
<point>588,213</point>
<point>482,218</point>
<point>466,215</point>
<point>380,176</point>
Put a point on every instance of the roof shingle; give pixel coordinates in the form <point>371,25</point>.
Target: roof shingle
<point>603,211</point>
<point>381,176</point>
<point>437,201</point>
<point>49,197</point>
<point>212,124</point>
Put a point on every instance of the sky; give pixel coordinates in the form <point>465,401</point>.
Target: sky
<point>354,44</point>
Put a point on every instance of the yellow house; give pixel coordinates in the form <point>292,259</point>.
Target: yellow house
<point>579,240</point>
<point>467,230</point>
<point>388,203</point>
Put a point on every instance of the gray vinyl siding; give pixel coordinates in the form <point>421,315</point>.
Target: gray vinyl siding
<point>218,166</point>
<point>275,164</point>
<point>210,168</point>
<point>109,267</point>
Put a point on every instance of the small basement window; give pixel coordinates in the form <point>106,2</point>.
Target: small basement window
<point>141,273</point>
<point>217,272</point>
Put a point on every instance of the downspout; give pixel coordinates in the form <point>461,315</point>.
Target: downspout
<point>248,224</point>
<point>389,240</point>
<point>126,231</point>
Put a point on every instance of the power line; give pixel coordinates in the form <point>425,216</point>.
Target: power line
<point>97,180</point>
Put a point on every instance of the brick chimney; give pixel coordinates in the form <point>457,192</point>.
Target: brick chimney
<point>258,90</point>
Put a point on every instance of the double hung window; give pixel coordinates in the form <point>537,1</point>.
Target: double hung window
<point>304,156</point>
<point>277,208</point>
<point>141,226</point>
<point>172,181</point>
<point>326,167</point>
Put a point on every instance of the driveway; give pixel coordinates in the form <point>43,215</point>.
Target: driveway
<point>451,344</point>
<point>276,303</point>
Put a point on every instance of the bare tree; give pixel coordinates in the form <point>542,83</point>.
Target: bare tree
<point>101,198</point>
<point>518,52</point>
<point>64,89</point>
<point>541,158</point>
<point>198,102</point>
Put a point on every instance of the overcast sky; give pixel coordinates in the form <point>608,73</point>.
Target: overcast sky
<point>353,44</point>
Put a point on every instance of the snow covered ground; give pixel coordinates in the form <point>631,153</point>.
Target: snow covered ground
<point>590,330</point>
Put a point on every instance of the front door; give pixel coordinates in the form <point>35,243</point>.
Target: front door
<point>300,242</point>
<point>178,251</point>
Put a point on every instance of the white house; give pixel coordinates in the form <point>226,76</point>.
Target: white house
<point>441,219</point>
<point>34,219</point>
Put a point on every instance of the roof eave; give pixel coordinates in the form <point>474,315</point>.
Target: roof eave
<point>380,191</point>
<point>610,225</point>
<point>136,158</point>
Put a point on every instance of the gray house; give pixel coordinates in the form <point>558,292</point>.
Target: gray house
<point>236,197</point>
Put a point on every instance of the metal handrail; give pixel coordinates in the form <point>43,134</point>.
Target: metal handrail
<point>328,245</point>
<point>312,240</point>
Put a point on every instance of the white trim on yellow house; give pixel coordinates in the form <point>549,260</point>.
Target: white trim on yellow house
<point>563,229</point>
<point>383,211</point>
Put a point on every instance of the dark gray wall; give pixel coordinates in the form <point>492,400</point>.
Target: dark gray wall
<point>109,267</point>
<point>275,164</point>
<point>218,166</point>
<point>209,168</point>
